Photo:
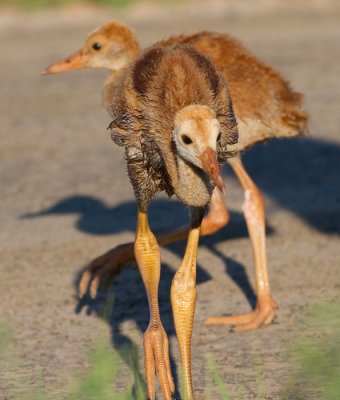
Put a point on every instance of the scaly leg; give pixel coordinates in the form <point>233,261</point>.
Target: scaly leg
<point>183,299</point>
<point>111,263</point>
<point>156,345</point>
<point>254,212</point>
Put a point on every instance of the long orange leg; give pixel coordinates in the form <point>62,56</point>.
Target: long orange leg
<point>156,345</point>
<point>254,212</point>
<point>183,299</point>
<point>111,263</point>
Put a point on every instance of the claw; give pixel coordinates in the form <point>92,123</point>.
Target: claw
<point>94,287</point>
<point>83,284</point>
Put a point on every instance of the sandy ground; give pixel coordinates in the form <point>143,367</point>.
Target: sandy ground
<point>66,198</point>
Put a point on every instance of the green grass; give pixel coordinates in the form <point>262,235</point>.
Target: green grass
<point>98,381</point>
<point>46,4</point>
<point>215,385</point>
<point>316,358</point>
<point>314,372</point>
<point>5,340</point>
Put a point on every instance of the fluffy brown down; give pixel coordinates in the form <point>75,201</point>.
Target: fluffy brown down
<point>263,101</point>
<point>145,101</point>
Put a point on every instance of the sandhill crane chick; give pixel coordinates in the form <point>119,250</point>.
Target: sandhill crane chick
<point>174,117</point>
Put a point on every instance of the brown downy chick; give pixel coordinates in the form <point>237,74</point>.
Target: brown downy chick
<point>174,116</point>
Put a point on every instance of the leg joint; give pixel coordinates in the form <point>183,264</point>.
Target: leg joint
<point>182,284</point>
<point>214,221</point>
<point>254,203</point>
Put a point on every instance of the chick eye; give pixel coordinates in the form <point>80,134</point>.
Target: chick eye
<point>96,46</point>
<point>186,139</point>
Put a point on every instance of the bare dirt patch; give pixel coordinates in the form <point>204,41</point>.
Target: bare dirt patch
<point>66,198</point>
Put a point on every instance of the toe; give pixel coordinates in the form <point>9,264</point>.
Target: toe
<point>156,359</point>
<point>167,363</point>
<point>84,282</point>
<point>263,315</point>
<point>149,365</point>
<point>231,319</point>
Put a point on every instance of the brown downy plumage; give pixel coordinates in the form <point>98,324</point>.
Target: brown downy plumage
<point>265,105</point>
<point>165,91</point>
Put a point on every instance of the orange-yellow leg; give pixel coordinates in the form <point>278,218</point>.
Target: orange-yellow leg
<point>183,299</point>
<point>156,345</point>
<point>254,212</point>
<point>111,263</point>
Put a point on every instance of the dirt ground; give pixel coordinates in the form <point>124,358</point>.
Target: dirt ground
<point>66,199</point>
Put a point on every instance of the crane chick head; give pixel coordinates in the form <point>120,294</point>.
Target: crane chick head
<point>111,46</point>
<point>196,132</point>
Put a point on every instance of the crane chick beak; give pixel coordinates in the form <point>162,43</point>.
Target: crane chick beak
<point>210,166</point>
<point>76,60</point>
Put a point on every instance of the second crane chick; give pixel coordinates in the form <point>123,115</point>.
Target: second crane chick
<point>174,116</point>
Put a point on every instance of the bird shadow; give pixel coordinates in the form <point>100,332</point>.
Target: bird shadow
<point>130,301</point>
<point>96,218</point>
<point>300,175</point>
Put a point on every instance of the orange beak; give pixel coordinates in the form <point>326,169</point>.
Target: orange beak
<point>76,60</point>
<point>210,166</point>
